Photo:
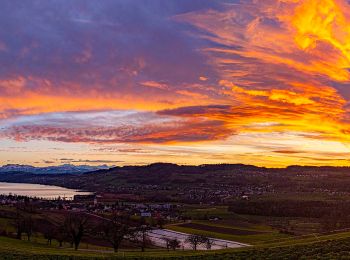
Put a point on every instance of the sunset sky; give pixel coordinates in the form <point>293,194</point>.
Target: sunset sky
<point>122,82</point>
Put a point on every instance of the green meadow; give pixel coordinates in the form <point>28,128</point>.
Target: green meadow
<point>331,246</point>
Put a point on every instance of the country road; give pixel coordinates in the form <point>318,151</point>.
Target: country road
<point>157,237</point>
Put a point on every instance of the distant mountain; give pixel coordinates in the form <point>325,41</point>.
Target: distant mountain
<point>60,169</point>
<point>158,179</point>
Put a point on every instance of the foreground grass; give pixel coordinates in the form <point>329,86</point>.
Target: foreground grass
<point>335,246</point>
<point>20,249</point>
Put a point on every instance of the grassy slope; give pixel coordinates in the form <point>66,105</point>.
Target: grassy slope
<point>329,246</point>
<point>268,235</point>
<point>250,239</point>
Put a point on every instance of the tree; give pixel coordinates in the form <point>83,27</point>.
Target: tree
<point>47,228</point>
<point>23,224</point>
<point>75,225</point>
<point>115,231</point>
<point>174,244</point>
<point>160,222</point>
<point>167,242</point>
<point>141,233</point>
<point>19,224</point>
<point>28,226</point>
<point>23,221</point>
<point>208,243</point>
<point>195,240</point>
<point>49,233</point>
<point>60,235</point>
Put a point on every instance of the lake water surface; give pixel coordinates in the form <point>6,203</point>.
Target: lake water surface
<point>38,190</point>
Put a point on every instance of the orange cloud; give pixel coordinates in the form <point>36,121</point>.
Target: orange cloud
<point>154,84</point>
<point>280,62</point>
<point>174,131</point>
<point>276,67</point>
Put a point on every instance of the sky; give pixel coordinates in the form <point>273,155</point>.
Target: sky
<point>121,82</point>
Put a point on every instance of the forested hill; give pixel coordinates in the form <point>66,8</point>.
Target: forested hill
<point>172,176</point>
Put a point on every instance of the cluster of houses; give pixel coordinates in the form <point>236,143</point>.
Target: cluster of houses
<point>95,204</point>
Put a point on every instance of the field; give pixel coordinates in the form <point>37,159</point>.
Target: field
<point>229,226</point>
<point>267,242</point>
<point>220,229</point>
<point>216,230</point>
<point>322,247</point>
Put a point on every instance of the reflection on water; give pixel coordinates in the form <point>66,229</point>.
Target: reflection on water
<point>37,190</point>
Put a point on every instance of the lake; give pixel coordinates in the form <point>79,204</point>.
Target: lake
<point>38,190</point>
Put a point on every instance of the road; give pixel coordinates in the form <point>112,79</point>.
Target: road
<point>157,237</point>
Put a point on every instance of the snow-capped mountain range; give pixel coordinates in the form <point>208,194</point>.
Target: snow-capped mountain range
<point>60,169</point>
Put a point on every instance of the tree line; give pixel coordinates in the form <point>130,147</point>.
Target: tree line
<point>290,208</point>
<point>73,227</point>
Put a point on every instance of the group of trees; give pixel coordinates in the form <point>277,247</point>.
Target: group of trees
<point>23,221</point>
<point>196,240</point>
<point>193,240</point>
<point>116,230</point>
<point>119,228</point>
<point>71,229</point>
<point>335,220</point>
<point>23,224</point>
<point>290,208</point>
<point>74,226</point>
<point>172,243</point>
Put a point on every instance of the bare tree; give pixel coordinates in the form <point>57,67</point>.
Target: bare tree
<point>75,225</point>
<point>209,243</point>
<point>141,234</point>
<point>167,242</point>
<point>174,244</point>
<point>115,231</point>
<point>23,224</point>
<point>19,225</point>
<point>60,235</point>
<point>47,228</point>
<point>28,226</point>
<point>195,240</point>
<point>49,233</point>
<point>23,221</point>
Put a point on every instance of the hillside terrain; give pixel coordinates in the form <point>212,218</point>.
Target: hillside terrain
<point>168,179</point>
<point>335,246</point>
<point>295,212</point>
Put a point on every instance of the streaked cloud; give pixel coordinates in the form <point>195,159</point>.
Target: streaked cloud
<point>222,81</point>
<point>115,127</point>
